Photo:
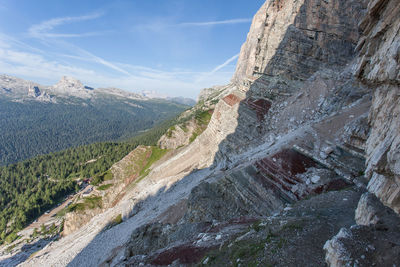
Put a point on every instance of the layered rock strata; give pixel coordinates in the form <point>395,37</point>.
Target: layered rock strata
<point>293,126</point>
<point>375,240</point>
<point>293,39</point>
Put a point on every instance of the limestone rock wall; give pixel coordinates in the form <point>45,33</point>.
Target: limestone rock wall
<point>178,136</point>
<point>293,39</point>
<point>378,66</point>
<point>375,240</point>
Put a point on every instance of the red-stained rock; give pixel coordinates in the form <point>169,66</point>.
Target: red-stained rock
<point>231,99</point>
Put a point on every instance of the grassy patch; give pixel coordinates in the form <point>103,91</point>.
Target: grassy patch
<point>108,176</point>
<point>170,131</point>
<point>184,127</point>
<point>117,220</point>
<point>105,176</point>
<point>76,207</point>
<point>202,120</point>
<point>245,250</point>
<point>9,248</point>
<point>245,253</point>
<point>93,202</point>
<point>62,212</point>
<point>193,137</point>
<point>214,101</point>
<point>203,117</point>
<point>294,226</point>
<point>257,226</point>
<point>104,186</point>
<point>88,203</point>
<point>11,237</point>
<point>156,154</point>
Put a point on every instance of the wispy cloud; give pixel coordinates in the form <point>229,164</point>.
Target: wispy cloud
<point>19,58</point>
<point>207,75</point>
<point>43,29</point>
<point>40,68</point>
<point>161,25</point>
<point>213,23</point>
<point>226,63</point>
<point>87,56</point>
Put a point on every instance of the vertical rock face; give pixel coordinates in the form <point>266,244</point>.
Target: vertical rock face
<point>379,45</point>
<point>71,87</point>
<point>375,240</point>
<point>301,46</point>
<point>293,39</point>
<point>34,91</point>
<point>379,66</point>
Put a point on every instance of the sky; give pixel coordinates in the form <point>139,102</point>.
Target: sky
<point>173,47</point>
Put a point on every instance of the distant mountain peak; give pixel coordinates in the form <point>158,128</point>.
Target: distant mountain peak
<point>69,83</point>
<point>71,86</point>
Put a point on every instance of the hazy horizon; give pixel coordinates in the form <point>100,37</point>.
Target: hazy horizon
<point>175,48</point>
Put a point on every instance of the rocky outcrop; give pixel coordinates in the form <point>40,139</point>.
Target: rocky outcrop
<point>370,211</point>
<point>292,237</point>
<point>69,86</point>
<point>211,93</point>
<point>383,146</point>
<point>379,44</point>
<point>191,124</point>
<point>255,187</point>
<point>375,241</point>
<point>178,136</point>
<point>12,86</point>
<point>124,173</point>
<point>379,66</point>
<point>293,39</point>
<point>34,91</point>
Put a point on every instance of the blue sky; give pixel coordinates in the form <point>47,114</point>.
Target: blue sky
<point>174,47</point>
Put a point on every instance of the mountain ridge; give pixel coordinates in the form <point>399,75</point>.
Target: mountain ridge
<point>39,120</point>
<point>68,86</point>
<point>298,164</point>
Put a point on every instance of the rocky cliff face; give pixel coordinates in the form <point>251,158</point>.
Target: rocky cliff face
<point>293,39</point>
<point>122,174</point>
<point>379,66</point>
<point>69,86</point>
<point>262,185</point>
<point>11,85</point>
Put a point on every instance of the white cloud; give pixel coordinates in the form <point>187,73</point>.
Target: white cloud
<point>226,63</point>
<point>208,75</point>
<point>159,25</point>
<point>34,65</point>
<point>42,30</point>
<point>25,61</point>
<point>91,57</point>
<point>39,68</point>
<point>213,23</point>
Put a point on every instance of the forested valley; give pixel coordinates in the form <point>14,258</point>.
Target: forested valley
<point>31,128</point>
<point>30,187</point>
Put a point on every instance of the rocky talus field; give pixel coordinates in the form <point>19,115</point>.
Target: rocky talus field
<point>296,162</point>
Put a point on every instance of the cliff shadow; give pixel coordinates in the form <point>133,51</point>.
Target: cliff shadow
<point>301,52</point>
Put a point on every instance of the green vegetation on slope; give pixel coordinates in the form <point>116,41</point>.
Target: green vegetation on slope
<point>29,188</point>
<point>32,128</point>
<point>156,154</point>
<point>104,187</point>
<point>202,118</point>
<point>88,203</point>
